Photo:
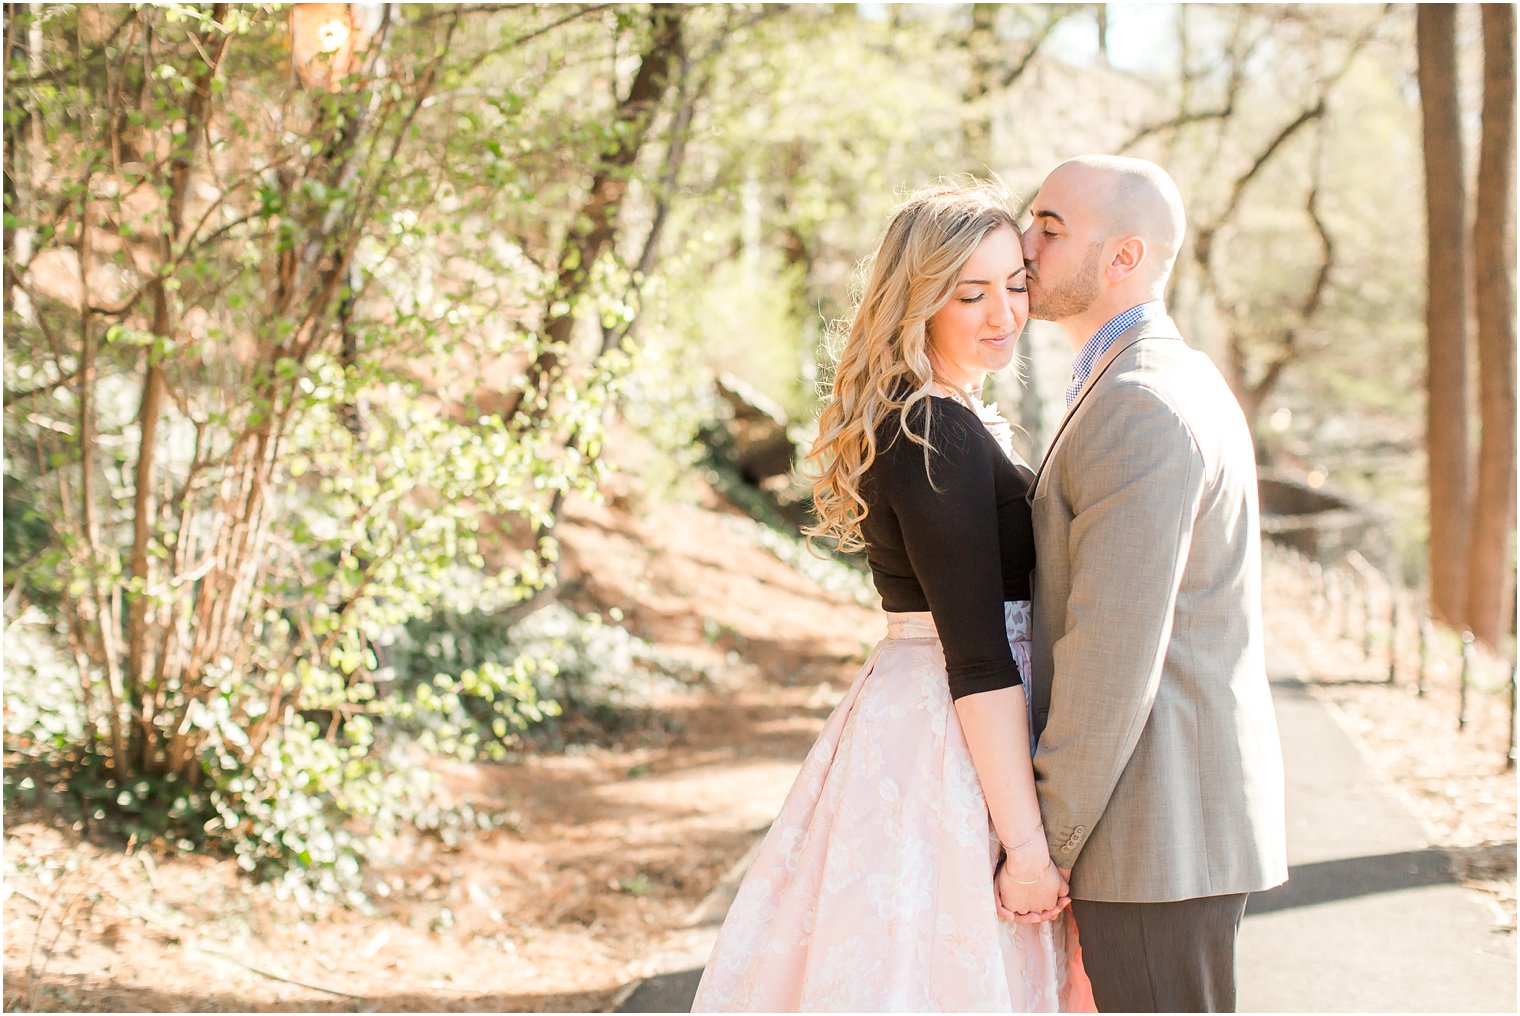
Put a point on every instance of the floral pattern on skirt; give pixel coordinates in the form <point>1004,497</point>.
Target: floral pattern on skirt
<point>873,890</point>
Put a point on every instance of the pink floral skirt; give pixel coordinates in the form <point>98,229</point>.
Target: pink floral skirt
<point>873,890</point>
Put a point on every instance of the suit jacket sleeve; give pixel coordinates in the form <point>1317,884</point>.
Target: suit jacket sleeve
<point>1133,476</point>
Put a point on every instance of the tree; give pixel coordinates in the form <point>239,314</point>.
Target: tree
<point>594,228</point>
<point>1272,321</point>
<point>1489,575</point>
<point>1253,391</point>
<point>994,67</point>
<point>1446,428</point>
<point>223,552</point>
<point>816,121</point>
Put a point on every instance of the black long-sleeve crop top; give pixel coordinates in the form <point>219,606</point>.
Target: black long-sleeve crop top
<point>957,551</point>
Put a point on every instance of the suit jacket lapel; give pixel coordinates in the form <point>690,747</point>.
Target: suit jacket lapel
<point>1158,327</point>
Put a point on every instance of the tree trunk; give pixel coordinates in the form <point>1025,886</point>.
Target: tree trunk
<point>991,72</point>
<point>594,227</point>
<point>140,667</point>
<point>1446,430</point>
<point>16,129</point>
<point>1489,578</point>
<point>981,45</point>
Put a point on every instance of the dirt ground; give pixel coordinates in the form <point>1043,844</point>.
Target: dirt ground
<point>609,849</point>
<point>606,851</point>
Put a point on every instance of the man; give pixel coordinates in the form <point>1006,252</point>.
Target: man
<point>1159,767</point>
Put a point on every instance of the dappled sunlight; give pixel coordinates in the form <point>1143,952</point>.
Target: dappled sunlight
<point>407,411</point>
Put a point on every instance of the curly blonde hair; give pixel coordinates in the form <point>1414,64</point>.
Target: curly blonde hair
<point>884,366</point>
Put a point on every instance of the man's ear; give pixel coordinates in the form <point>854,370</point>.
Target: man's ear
<point>1128,256</point>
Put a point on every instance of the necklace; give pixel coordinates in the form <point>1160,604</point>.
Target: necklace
<point>962,395</point>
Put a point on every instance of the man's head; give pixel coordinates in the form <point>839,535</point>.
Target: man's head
<point>1105,233</point>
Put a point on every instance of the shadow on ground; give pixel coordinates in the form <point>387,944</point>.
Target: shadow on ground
<point>1349,877</point>
<point>63,993</point>
<point>670,992</point>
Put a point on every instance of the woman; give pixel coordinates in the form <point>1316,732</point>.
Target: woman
<point>874,889</point>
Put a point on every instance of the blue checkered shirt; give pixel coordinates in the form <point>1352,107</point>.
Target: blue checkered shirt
<point>1103,338</point>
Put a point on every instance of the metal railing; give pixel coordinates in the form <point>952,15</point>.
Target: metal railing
<point>1353,601</point>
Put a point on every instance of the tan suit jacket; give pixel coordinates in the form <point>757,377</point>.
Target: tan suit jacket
<point>1158,766</point>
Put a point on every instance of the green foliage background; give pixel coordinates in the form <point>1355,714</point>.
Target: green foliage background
<point>273,413</point>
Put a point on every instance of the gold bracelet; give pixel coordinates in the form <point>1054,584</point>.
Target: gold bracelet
<point>1027,841</point>
<point>1036,879</point>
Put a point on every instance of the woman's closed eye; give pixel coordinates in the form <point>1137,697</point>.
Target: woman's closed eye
<point>978,297</point>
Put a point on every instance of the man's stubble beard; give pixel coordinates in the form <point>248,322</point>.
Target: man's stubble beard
<point>1072,297</point>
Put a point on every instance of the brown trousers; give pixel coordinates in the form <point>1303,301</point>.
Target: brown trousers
<point>1161,957</point>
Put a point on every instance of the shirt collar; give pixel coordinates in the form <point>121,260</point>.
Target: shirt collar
<point>1103,338</point>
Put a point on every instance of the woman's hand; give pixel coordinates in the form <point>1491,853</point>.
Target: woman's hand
<point>1030,896</point>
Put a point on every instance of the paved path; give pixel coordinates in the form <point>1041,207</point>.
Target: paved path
<point>1370,920</point>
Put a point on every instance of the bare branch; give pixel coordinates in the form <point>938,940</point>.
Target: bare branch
<point>551,26</point>
<point>15,395</point>
<point>1304,118</point>
<point>1316,297</point>
<point>1180,120</point>
<point>1054,18</point>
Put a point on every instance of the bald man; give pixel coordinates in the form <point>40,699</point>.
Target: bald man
<point>1158,763</point>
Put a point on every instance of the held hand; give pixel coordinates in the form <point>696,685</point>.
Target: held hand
<point>1048,915</point>
<point>1042,916</point>
<point>1030,897</point>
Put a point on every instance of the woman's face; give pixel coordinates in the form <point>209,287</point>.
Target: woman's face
<point>974,333</point>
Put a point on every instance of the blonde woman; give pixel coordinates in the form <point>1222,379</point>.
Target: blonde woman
<point>911,840</point>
